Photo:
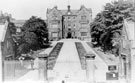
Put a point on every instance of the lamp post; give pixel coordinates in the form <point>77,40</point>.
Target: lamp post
<point>90,68</point>
<point>43,66</point>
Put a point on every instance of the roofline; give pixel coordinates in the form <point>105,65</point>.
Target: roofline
<point>5,30</point>
<point>127,31</point>
<point>77,10</point>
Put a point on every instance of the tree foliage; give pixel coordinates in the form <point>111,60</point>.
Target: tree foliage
<point>12,28</point>
<point>35,35</point>
<point>23,48</point>
<point>108,24</point>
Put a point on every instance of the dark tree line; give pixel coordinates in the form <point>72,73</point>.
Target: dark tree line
<point>107,25</point>
<point>34,36</point>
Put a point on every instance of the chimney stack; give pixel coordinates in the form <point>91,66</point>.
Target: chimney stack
<point>68,7</point>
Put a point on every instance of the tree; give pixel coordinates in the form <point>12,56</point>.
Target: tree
<point>96,31</point>
<point>23,49</point>
<point>12,28</point>
<point>38,27</point>
<point>34,35</point>
<point>108,23</point>
<point>30,38</point>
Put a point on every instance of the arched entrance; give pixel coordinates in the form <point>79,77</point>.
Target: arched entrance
<point>69,35</point>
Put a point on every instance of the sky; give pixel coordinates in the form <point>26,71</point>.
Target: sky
<point>24,9</point>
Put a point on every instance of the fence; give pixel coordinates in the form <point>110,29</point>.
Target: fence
<point>15,69</point>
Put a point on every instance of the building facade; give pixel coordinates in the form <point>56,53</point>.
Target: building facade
<point>130,57</point>
<point>69,23</point>
<point>7,43</point>
<point>7,51</point>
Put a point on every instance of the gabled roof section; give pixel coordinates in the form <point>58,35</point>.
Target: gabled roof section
<point>55,8</point>
<point>65,12</point>
<point>48,10</point>
<point>90,10</point>
<point>3,30</point>
<point>83,7</point>
<point>130,27</point>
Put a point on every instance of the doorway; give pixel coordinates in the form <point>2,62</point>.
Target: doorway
<point>69,35</point>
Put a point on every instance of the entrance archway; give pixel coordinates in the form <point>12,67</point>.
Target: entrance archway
<point>69,35</point>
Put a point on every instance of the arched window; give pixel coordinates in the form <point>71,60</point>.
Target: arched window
<point>7,44</point>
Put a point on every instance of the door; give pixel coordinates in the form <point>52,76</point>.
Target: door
<point>69,35</point>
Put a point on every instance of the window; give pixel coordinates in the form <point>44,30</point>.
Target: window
<point>69,25</point>
<point>54,16</point>
<point>82,28</point>
<point>84,25</point>
<point>124,43</point>
<point>68,18</point>
<point>18,30</point>
<point>74,25</point>
<point>83,17</point>
<point>83,33</point>
<point>54,26</point>
<point>7,44</point>
<point>112,67</point>
<point>69,29</point>
<point>54,34</point>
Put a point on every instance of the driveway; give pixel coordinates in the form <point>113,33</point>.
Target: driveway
<point>68,65</point>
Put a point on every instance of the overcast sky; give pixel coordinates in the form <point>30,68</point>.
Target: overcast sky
<point>23,9</point>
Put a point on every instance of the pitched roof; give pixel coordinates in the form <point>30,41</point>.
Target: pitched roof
<point>3,29</point>
<point>130,27</point>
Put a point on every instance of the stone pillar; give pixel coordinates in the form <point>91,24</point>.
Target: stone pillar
<point>121,67</point>
<point>43,67</point>
<point>121,70</point>
<point>90,68</point>
<point>124,69</point>
<point>124,59</point>
<point>1,66</point>
<point>127,67</point>
<point>133,65</point>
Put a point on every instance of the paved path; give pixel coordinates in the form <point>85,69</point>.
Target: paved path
<point>68,65</point>
<point>100,65</point>
<point>33,75</point>
<point>29,76</point>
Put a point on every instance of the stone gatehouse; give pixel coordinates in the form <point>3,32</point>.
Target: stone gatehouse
<point>69,23</point>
